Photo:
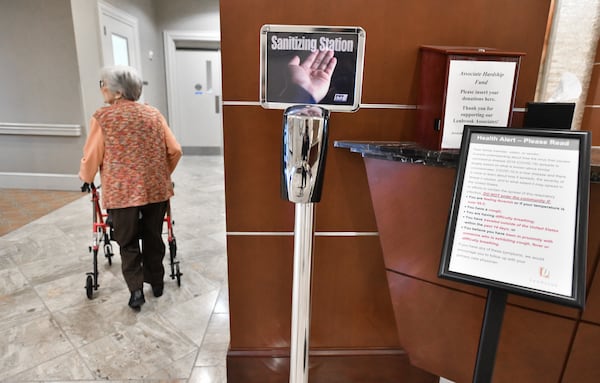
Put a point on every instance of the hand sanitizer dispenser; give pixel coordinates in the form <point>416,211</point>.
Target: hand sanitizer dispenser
<point>303,163</point>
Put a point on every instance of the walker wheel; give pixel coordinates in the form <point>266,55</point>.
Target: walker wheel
<point>178,274</point>
<point>173,248</point>
<point>108,253</point>
<point>89,286</point>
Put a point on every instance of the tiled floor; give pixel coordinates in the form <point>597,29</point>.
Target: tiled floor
<point>19,206</point>
<point>51,332</point>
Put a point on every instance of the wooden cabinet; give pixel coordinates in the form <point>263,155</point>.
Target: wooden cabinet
<point>461,86</point>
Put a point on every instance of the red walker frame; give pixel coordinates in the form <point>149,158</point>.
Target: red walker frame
<point>103,232</point>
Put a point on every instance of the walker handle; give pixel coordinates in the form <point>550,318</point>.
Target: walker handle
<point>87,187</point>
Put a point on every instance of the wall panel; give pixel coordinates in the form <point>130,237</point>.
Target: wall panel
<point>591,113</point>
<point>348,287</point>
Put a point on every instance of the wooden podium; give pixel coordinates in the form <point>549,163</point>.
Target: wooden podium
<point>461,86</point>
<point>439,321</point>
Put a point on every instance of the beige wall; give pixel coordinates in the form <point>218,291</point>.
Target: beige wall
<point>571,48</point>
<point>40,84</point>
<point>49,65</point>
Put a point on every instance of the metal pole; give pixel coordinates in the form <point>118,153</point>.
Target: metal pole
<point>490,336</point>
<point>303,161</point>
<point>301,292</point>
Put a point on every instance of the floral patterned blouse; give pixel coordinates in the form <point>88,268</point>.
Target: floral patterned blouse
<point>135,151</point>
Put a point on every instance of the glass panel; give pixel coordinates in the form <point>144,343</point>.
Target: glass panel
<point>120,50</point>
<point>209,76</point>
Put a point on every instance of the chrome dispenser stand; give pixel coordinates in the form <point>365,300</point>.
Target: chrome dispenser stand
<point>303,161</point>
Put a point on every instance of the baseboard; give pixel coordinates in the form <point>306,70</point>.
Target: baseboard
<point>40,181</point>
<point>201,150</point>
<point>326,366</point>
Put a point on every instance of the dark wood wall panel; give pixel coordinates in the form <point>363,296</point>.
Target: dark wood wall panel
<point>593,97</point>
<point>592,311</point>
<point>437,317</point>
<point>260,290</point>
<point>351,307</point>
<point>533,346</point>
<point>333,366</point>
<point>252,183</point>
<point>592,308</point>
<point>591,122</point>
<point>252,157</point>
<point>583,366</point>
<point>395,30</point>
<point>351,303</point>
<point>442,328</point>
<point>414,201</point>
<point>417,199</point>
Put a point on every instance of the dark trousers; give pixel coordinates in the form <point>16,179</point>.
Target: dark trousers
<point>133,225</point>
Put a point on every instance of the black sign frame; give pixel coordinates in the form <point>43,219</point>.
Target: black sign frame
<point>576,298</point>
<point>280,43</point>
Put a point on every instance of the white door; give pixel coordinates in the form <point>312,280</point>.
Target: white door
<point>119,35</point>
<point>198,95</point>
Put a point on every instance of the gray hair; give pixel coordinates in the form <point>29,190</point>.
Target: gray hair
<point>123,79</point>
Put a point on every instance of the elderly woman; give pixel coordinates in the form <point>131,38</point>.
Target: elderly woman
<point>136,152</point>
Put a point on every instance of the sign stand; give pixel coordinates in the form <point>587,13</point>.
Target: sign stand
<point>303,164</point>
<point>518,222</point>
<point>490,334</point>
<point>301,292</point>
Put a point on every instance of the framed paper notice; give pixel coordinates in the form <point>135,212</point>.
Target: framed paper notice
<point>518,219</point>
<point>478,93</point>
<point>311,65</point>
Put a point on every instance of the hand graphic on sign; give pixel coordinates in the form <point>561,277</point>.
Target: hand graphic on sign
<point>314,73</point>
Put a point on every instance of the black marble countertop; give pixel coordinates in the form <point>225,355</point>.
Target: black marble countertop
<point>402,151</point>
<point>411,152</point>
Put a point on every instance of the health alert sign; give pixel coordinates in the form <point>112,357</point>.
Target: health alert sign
<point>519,213</point>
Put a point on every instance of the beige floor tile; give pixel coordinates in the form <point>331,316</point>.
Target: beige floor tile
<point>50,330</point>
<point>20,307</point>
<point>65,367</point>
<point>216,374</point>
<point>29,344</point>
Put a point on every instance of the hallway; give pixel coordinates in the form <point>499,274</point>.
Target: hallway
<point>50,331</point>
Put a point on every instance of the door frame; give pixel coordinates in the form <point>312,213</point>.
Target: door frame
<point>171,40</point>
<point>125,18</point>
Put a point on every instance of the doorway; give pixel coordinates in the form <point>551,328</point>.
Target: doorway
<point>193,67</point>
<point>120,37</point>
<point>198,91</point>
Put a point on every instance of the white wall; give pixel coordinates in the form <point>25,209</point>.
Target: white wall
<point>154,17</point>
<point>40,85</point>
<point>49,66</point>
<point>572,48</point>
<point>188,15</point>
<point>89,53</point>
<point>152,69</point>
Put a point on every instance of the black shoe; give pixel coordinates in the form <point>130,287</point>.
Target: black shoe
<point>137,299</point>
<point>157,290</point>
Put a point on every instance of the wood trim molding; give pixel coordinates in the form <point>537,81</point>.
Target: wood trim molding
<point>382,365</point>
<point>21,129</point>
